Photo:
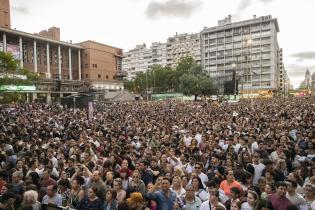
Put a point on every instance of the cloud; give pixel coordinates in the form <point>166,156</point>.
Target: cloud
<point>172,8</point>
<point>244,4</point>
<point>309,55</point>
<point>21,9</point>
<point>296,73</point>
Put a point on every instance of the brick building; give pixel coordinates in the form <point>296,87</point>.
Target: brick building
<point>75,67</point>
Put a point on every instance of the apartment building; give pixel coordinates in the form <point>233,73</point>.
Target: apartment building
<point>249,47</point>
<point>141,58</point>
<point>284,81</point>
<point>182,45</point>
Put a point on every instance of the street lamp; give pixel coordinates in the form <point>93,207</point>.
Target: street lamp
<point>234,77</point>
<point>249,44</point>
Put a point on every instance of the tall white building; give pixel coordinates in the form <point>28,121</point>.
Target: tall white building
<point>284,81</point>
<point>182,45</point>
<point>159,55</point>
<point>249,47</point>
<point>140,59</point>
<point>136,60</point>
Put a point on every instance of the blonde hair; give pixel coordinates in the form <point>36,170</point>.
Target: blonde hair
<point>30,197</point>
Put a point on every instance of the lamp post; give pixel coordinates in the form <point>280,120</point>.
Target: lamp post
<point>234,77</point>
<point>146,84</point>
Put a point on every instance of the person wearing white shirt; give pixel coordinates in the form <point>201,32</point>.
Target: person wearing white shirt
<point>212,202</point>
<point>198,137</point>
<point>294,197</point>
<point>204,178</point>
<point>252,200</point>
<point>50,156</point>
<point>259,167</point>
<point>187,139</point>
<point>252,144</point>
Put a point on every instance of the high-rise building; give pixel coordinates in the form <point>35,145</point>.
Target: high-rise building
<point>136,60</point>
<point>5,20</point>
<point>284,81</point>
<point>249,47</point>
<point>159,55</point>
<point>141,58</point>
<point>182,45</point>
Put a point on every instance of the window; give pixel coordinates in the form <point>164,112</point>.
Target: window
<point>220,40</point>
<point>212,41</point>
<point>255,27</point>
<point>220,54</point>
<point>212,54</point>
<point>99,76</point>
<point>220,34</point>
<point>246,30</point>
<point>212,35</point>
<point>106,76</point>
<point>86,76</point>
<point>86,65</point>
<point>237,31</point>
<point>228,39</point>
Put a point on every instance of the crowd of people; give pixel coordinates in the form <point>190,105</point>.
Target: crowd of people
<point>165,155</point>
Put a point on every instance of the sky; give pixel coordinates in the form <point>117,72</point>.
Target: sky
<point>127,23</point>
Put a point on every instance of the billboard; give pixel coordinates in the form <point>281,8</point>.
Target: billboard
<point>14,50</point>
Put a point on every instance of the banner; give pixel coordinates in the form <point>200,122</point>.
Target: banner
<point>14,50</point>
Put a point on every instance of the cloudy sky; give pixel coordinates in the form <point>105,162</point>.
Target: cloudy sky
<point>126,23</point>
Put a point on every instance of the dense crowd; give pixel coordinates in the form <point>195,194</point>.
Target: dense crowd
<point>257,155</point>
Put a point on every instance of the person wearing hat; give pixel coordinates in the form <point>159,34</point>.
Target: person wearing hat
<point>135,201</point>
<point>7,202</point>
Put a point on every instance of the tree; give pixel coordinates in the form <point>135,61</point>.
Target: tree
<point>187,77</point>
<point>12,74</point>
<point>7,63</point>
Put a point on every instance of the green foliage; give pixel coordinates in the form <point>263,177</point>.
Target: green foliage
<point>7,63</point>
<point>10,72</point>
<point>187,77</point>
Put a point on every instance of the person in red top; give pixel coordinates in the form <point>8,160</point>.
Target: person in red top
<point>230,182</point>
<point>279,200</point>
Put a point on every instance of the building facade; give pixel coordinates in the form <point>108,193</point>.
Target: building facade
<point>5,18</point>
<point>100,65</point>
<point>141,58</point>
<point>182,45</point>
<point>248,47</point>
<point>51,33</point>
<point>284,81</point>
